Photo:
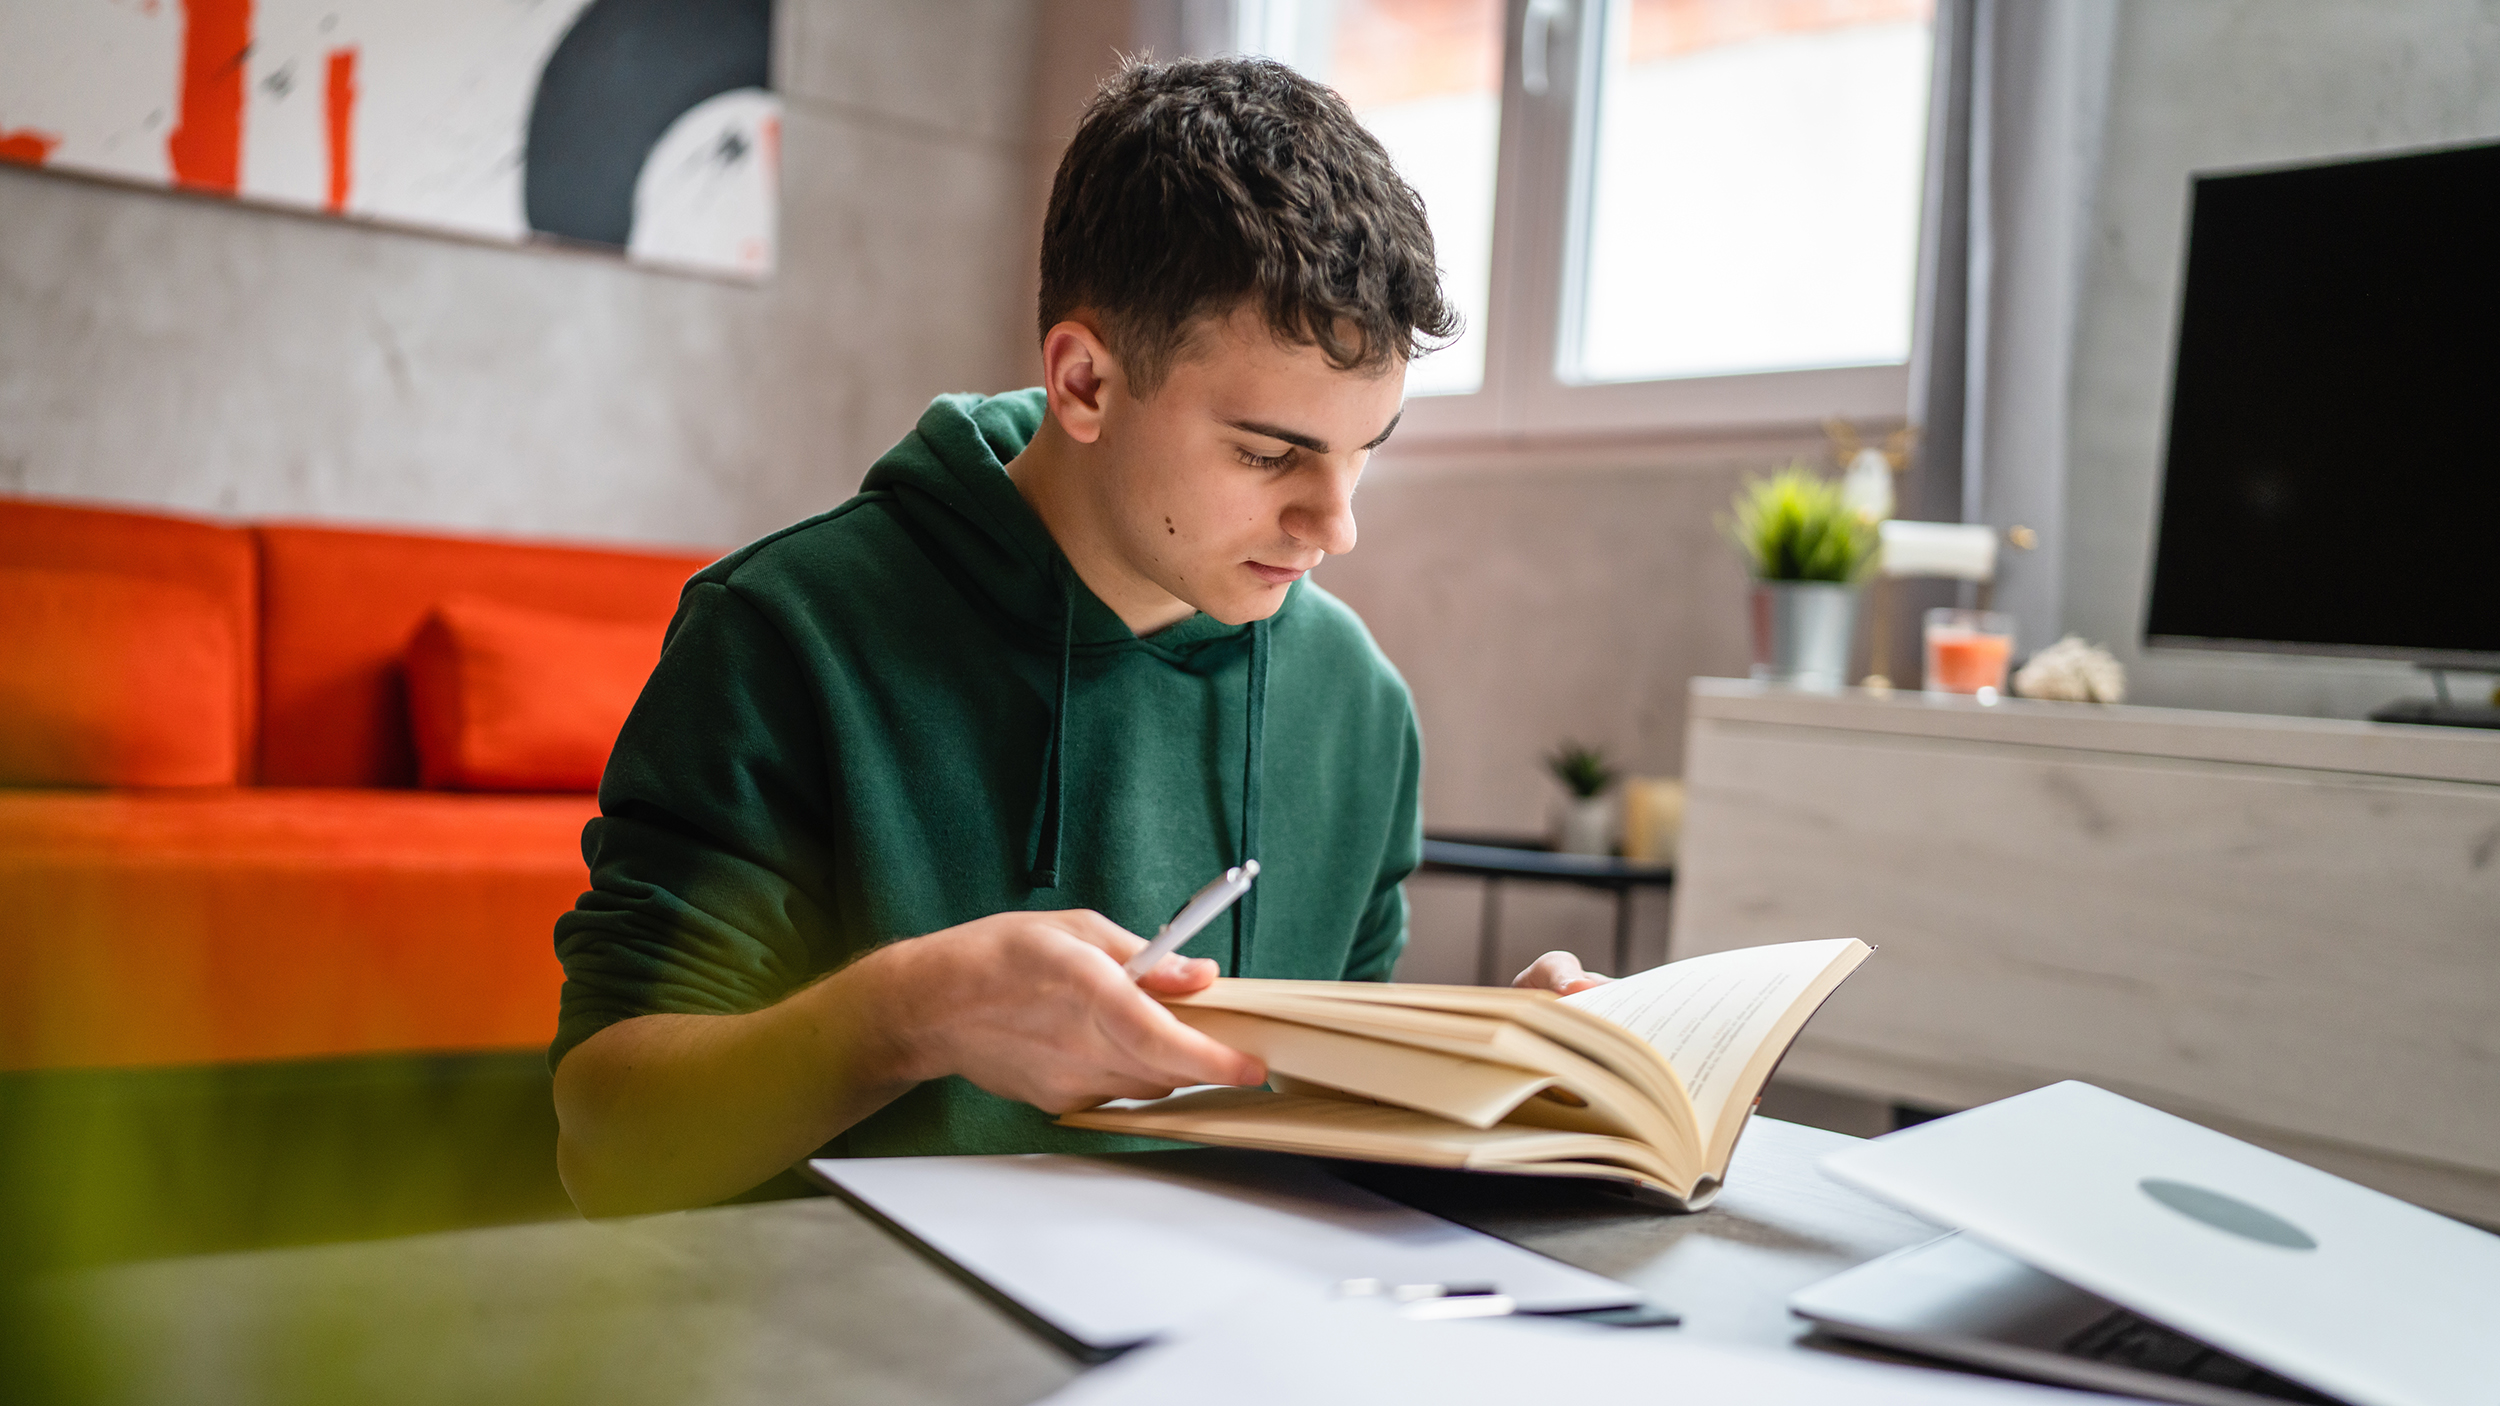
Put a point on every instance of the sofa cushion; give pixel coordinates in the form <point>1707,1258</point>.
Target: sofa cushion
<point>339,609</point>
<point>184,927</point>
<point>503,698</point>
<point>221,563</point>
<point>111,680</point>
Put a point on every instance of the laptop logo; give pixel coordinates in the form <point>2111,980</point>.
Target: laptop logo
<point>2227,1213</point>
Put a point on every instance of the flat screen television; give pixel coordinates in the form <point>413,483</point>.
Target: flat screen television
<point>2333,478</point>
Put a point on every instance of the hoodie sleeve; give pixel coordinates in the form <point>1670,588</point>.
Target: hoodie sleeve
<point>1382,934</point>
<point>710,878</point>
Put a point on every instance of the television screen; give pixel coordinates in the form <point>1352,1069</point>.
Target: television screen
<point>2333,479</point>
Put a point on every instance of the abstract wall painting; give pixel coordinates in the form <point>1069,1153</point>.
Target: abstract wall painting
<point>649,127</point>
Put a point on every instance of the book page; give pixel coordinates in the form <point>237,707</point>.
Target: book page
<point>1708,1015</point>
<point>1530,1029</point>
<point>1466,1068</point>
<point>1471,1091</point>
<point>1327,1127</point>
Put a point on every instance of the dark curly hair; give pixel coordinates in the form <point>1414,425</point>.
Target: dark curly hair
<point>1193,186</point>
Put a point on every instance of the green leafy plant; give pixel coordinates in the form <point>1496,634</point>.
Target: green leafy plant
<point>1583,769</point>
<point>1795,526</point>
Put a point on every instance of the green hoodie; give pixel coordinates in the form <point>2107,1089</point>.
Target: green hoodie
<point>909,713</point>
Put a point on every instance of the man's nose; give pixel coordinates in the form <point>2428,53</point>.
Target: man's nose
<point>1324,517</point>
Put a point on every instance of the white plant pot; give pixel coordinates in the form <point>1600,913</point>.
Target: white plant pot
<point>1585,825</point>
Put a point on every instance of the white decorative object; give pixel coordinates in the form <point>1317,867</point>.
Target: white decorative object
<point>2074,672</point>
<point>1960,551</point>
<point>1867,488</point>
<point>1585,825</point>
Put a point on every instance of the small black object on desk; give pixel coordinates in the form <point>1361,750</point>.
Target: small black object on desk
<point>2441,711</point>
<point>1494,858</point>
<point>2437,712</point>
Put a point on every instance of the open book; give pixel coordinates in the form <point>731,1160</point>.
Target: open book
<point>1645,1080</point>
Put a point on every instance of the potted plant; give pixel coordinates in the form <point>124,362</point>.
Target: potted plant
<point>1585,824</point>
<point>1807,547</point>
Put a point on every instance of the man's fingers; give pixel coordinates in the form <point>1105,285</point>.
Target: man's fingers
<point>1173,976</point>
<point>1548,971</point>
<point>1092,928</point>
<point>1139,1049</point>
<point>1187,1056</point>
<point>1178,976</point>
<point>1558,972</point>
<point>1157,1042</point>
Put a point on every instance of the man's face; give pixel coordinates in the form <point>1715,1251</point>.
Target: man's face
<point>1237,475</point>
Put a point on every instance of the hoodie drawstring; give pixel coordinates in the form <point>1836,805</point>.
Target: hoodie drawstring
<point>1253,765</point>
<point>1046,807</point>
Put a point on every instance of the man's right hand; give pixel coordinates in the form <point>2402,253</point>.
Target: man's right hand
<point>663,1111</point>
<point>1035,1007</point>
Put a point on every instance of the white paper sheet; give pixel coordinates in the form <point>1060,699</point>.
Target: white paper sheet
<point>1362,1354</point>
<point>1120,1249</point>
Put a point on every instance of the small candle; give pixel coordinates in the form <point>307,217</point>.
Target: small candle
<point>1968,650</point>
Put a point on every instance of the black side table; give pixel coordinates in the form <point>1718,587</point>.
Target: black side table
<point>1494,858</point>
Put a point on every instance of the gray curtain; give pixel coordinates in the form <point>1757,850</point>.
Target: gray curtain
<point>2013,157</point>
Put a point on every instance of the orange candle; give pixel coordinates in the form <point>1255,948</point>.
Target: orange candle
<point>1965,661</point>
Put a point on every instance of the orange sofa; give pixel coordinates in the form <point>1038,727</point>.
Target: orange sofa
<point>213,846</point>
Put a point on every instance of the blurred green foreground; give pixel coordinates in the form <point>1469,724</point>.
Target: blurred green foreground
<point>105,1167</point>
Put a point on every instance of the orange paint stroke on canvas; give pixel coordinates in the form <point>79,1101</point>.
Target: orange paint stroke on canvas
<point>341,111</point>
<point>205,148</point>
<point>27,147</point>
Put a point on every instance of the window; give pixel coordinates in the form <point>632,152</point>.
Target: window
<point>1753,193</point>
<point>1426,77</point>
<point>1704,213</point>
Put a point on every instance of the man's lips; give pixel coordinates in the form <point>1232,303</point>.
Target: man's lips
<point>1276,575</point>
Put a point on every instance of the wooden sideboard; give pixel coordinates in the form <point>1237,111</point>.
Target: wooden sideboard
<point>2286,928</point>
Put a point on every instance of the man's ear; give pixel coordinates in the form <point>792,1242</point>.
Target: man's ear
<point>1076,369</point>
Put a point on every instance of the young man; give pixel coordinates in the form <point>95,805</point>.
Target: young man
<point>912,776</point>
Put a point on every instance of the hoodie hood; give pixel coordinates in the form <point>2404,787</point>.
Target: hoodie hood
<point>948,482</point>
<point>949,479</point>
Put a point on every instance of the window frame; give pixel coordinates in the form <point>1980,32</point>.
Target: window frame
<point>1544,163</point>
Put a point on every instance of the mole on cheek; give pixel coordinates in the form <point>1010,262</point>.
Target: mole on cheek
<point>1169,528</point>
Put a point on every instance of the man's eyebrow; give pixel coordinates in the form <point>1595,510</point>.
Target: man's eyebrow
<point>1295,437</point>
<point>1310,442</point>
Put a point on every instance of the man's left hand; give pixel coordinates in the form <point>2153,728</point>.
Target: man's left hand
<point>1560,973</point>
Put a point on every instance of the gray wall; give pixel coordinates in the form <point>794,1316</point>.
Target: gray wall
<point>182,352</point>
<point>2200,85</point>
<point>1532,598</point>
<point>1534,595</point>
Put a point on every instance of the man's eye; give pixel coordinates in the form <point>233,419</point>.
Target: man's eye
<point>1264,461</point>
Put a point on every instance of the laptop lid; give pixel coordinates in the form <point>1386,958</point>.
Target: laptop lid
<point>2349,1291</point>
<point>1955,1298</point>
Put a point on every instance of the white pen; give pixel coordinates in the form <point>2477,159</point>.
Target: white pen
<point>1194,915</point>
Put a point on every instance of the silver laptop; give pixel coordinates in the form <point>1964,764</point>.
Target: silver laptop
<point>2108,1244</point>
